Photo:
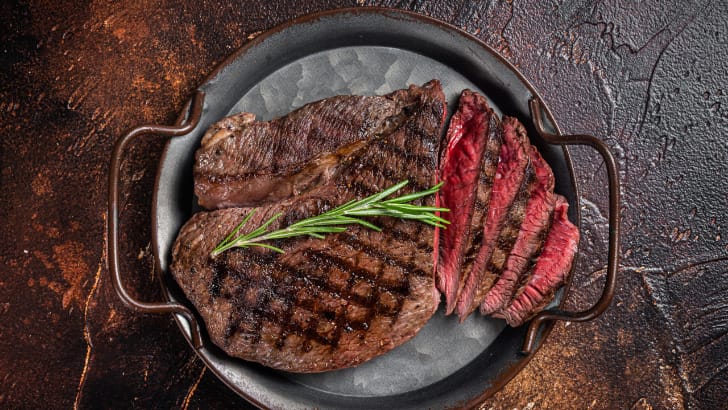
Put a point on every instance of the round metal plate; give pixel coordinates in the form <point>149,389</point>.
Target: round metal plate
<point>363,51</point>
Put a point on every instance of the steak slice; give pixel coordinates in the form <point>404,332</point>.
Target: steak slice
<point>326,303</point>
<point>505,213</point>
<point>549,272</point>
<point>467,137</point>
<point>531,236</point>
<point>480,207</point>
<point>243,162</point>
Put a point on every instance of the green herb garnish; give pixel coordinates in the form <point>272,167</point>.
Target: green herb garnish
<point>335,220</point>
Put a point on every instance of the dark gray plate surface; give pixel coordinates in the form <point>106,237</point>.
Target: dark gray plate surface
<point>362,52</point>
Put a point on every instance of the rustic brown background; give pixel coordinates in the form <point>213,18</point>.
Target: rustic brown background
<point>648,77</point>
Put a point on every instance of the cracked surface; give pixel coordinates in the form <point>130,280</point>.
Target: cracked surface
<point>647,77</point>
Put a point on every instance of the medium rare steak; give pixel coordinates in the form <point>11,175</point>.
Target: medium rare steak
<point>531,235</point>
<point>506,209</point>
<point>326,303</point>
<point>483,193</point>
<point>550,271</point>
<point>243,162</point>
<point>467,137</point>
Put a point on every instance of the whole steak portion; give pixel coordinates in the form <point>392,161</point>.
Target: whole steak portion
<point>244,162</point>
<point>326,303</point>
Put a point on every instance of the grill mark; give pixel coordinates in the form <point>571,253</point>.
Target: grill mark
<point>285,318</point>
<point>504,244</point>
<point>358,245</point>
<point>531,263</point>
<point>491,153</point>
<point>399,152</point>
<point>516,213</point>
<point>381,169</point>
<point>414,237</point>
<point>310,208</point>
<point>324,260</point>
<point>259,310</point>
<point>486,182</point>
<point>258,318</point>
<point>491,157</point>
<point>371,277</point>
<point>215,282</point>
<point>480,204</point>
<point>308,332</point>
<point>507,237</point>
<point>374,308</point>
<point>262,311</point>
<point>362,190</point>
<point>472,252</point>
<point>422,130</point>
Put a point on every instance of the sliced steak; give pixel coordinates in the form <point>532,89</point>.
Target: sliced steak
<point>326,303</point>
<point>531,235</point>
<point>549,272</point>
<point>243,162</point>
<point>505,212</point>
<point>483,193</point>
<point>467,137</point>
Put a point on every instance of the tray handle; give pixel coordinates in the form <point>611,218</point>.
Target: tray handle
<point>193,118</point>
<point>613,250</point>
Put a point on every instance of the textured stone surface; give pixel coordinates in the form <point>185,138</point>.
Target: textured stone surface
<point>647,77</point>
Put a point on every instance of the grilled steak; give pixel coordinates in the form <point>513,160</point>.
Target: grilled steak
<point>243,162</point>
<point>467,137</point>
<point>336,302</point>
<point>326,303</point>
<point>531,235</point>
<point>506,209</point>
<point>484,190</point>
<point>549,272</point>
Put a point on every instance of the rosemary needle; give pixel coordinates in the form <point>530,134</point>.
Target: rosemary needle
<point>337,219</point>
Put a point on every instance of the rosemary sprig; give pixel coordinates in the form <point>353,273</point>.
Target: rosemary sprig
<point>336,219</point>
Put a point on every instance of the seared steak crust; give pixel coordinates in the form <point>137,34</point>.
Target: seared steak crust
<point>331,303</point>
<point>243,162</point>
